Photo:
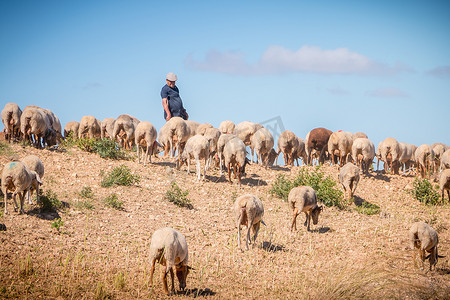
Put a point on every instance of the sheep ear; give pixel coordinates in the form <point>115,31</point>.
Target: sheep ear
<point>38,178</point>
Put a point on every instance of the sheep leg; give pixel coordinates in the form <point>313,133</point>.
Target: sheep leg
<point>204,174</point>
<point>5,192</point>
<point>146,155</point>
<point>138,156</point>
<point>229,173</point>
<point>197,168</point>
<point>422,257</point>
<point>188,165</point>
<point>173,281</point>
<point>235,171</point>
<point>152,270</point>
<point>256,230</point>
<point>239,173</point>
<point>220,164</point>
<point>249,227</point>
<point>15,202</point>
<point>21,199</point>
<point>308,220</point>
<point>294,219</point>
<point>164,279</point>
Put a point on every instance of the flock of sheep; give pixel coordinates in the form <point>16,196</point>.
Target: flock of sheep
<point>225,147</point>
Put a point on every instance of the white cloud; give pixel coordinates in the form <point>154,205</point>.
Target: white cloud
<point>443,72</point>
<point>91,85</point>
<point>307,59</point>
<point>387,93</point>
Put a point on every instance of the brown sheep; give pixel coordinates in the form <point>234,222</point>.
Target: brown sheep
<point>318,140</point>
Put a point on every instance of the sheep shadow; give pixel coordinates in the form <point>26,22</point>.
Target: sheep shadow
<point>358,200</point>
<point>194,293</point>
<point>269,247</point>
<point>380,176</point>
<point>253,182</point>
<point>443,271</point>
<point>165,164</point>
<point>321,230</point>
<point>279,168</point>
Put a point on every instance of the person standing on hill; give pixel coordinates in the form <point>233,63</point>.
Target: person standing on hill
<point>171,100</point>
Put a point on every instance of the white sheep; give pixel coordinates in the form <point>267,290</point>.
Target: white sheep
<point>349,178</point>
<point>358,135</point>
<point>223,139</point>
<point>423,237</point>
<point>444,183</point>
<point>303,199</point>
<point>193,126</point>
<point>407,155</point>
<point>90,127</point>
<point>227,127</point>
<point>424,157</point>
<point>126,124</point>
<point>389,151</point>
<point>340,143</point>
<point>287,143</point>
<point>107,128</point>
<point>202,128</point>
<point>249,211</point>
<point>235,158</point>
<point>445,160</point>
<point>262,142</point>
<point>299,151</point>
<point>363,152</point>
<point>17,177</point>
<point>438,150</point>
<point>173,135</point>
<point>145,133</point>
<point>72,126</point>
<point>11,119</point>
<point>197,147</point>
<point>170,249</point>
<point>244,131</point>
<point>34,164</point>
<point>34,122</point>
<point>213,135</point>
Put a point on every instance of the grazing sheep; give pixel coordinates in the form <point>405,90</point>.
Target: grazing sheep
<point>445,160</point>
<point>358,135</point>
<point>126,124</point>
<point>55,123</point>
<point>341,142</point>
<point>170,249</point>
<point>235,153</point>
<point>197,147</point>
<point>349,178</point>
<point>244,131</point>
<point>407,155</point>
<point>424,157</point>
<point>145,133</point>
<point>107,128</point>
<point>272,157</point>
<point>317,140</point>
<point>34,164</point>
<point>213,135</point>
<point>303,199</point>
<point>72,126</point>
<point>363,152</point>
<point>17,177</point>
<point>227,127</point>
<point>438,150</point>
<point>424,238</point>
<point>223,139</point>
<point>34,122</point>
<point>444,183</point>
<point>173,135</point>
<point>193,126</point>
<point>11,119</point>
<point>90,127</point>
<point>248,210</point>
<point>262,142</point>
<point>287,143</point>
<point>389,153</point>
<point>202,128</point>
<point>299,152</point>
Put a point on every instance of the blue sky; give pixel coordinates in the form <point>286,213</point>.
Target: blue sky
<point>381,67</point>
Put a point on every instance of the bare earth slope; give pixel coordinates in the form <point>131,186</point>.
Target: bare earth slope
<point>102,252</point>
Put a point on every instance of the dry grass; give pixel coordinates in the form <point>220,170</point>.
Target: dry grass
<point>103,253</point>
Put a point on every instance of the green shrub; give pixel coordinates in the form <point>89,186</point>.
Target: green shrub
<point>58,223</point>
<point>113,201</point>
<point>6,150</point>
<point>120,176</point>
<point>69,141</point>
<point>424,192</point>
<point>86,192</point>
<point>49,202</point>
<point>368,208</point>
<point>84,204</point>
<point>326,191</point>
<point>86,144</point>
<point>107,148</point>
<point>178,196</point>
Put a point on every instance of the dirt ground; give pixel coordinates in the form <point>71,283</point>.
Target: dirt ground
<point>102,252</point>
